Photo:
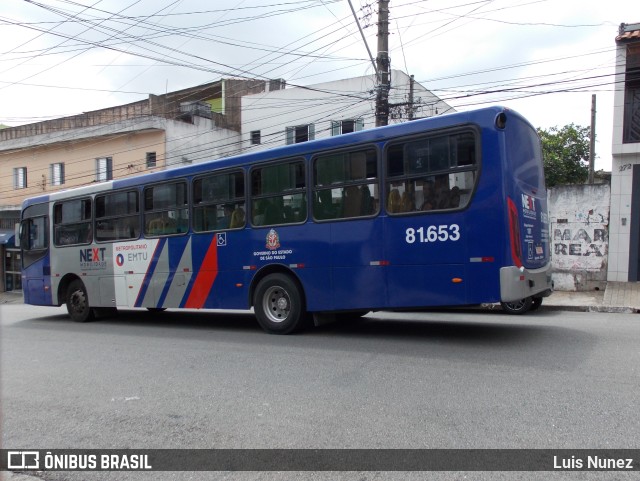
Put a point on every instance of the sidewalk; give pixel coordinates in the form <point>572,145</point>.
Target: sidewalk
<point>620,297</point>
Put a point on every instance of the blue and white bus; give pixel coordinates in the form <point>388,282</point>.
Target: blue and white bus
<point>445,211</point>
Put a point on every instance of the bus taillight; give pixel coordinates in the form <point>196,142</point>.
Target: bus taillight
<point>514,233</point>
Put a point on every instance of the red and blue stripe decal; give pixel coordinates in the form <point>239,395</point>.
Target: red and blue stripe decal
<point>201,284</point>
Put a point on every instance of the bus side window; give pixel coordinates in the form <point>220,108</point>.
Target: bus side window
<point>117,216</point>
<point>436,173</point>
<point>72,222</point>
<point>345,185</point>
<point>278,194</point>
<point>219,202</point>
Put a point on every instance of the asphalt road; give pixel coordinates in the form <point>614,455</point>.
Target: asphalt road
<point>552,379</point>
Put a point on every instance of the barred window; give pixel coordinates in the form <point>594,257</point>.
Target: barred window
<point>57,173</point>
<point>20,178</point>
<point>104,169</point>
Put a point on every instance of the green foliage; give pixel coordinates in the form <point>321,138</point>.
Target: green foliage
<point>566,154</point>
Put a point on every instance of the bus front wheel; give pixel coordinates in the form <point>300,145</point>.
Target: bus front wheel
<point>518,307</point>
<point>278,304</point>
<point>78,302</point>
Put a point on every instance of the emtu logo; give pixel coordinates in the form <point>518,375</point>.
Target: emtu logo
<point>23,460</point>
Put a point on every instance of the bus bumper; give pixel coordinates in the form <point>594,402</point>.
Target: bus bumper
<point>518,283</point>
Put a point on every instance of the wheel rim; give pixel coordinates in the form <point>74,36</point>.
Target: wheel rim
<point>78,301</point>
<point>276,304</point>
<point>517,305</point>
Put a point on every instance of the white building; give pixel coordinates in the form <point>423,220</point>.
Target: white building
<point>624,230</point>
<point>298,114</point>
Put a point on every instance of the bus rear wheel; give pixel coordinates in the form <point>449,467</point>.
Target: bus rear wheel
<point>78,302</point>
<point>518,307</point>
<point>278,304</point>
<point>536,302</point>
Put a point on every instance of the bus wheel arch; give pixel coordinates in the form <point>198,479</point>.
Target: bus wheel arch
<point>76,300</point>
<point>63,287</point>
<point>278,300</point>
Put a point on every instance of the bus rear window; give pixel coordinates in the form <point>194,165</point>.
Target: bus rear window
<point>524,154</point>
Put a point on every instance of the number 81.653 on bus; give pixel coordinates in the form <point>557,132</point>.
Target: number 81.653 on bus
<point>433,233</point>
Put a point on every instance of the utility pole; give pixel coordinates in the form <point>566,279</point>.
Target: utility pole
<point>382,64</point>
<point>592,140</point>
<point>411,89</point>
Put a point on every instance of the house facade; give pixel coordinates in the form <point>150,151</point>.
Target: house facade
<point>297,114</point>
<point>624,229</point>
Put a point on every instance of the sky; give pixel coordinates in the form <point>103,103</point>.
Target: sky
<point>543,58</point>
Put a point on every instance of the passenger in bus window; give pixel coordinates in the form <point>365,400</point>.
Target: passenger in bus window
<point>429,194</point>
<point>367,201</point>
<point>258,212</point>
<point>226,219</point>
<point>408,198</point>
<point>237,218</point>
<point>442,192</point>
<point>454,200</point>
<point>394,202</point>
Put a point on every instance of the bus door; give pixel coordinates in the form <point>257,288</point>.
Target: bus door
<point>36,267</point>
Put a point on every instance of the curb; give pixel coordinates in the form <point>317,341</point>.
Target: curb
<point>613,310</point>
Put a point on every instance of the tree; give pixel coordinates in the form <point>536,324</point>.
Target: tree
<point>565,153</point>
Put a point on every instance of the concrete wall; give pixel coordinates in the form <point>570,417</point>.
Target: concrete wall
<point>190,143</point>
<point>579,217</point>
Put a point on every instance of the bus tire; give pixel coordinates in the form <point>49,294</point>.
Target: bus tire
<point>536,302</point>
<point>278,304</point>
<point>78,302</point>
<point>518,307</point>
